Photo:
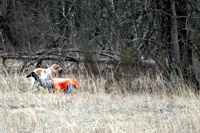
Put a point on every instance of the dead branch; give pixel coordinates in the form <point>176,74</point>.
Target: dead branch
<point>51,57</point>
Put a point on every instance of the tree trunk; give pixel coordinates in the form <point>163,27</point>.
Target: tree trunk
<point>11,19</point>
<point>175,52</point>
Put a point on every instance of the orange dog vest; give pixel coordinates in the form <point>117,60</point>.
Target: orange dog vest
<point>60,84</point>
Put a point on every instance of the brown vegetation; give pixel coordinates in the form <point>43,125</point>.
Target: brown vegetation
<point>155,106</point>
<point>137,63</point>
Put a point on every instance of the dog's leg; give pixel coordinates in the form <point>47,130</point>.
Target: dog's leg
<point>50,89</point>
<point>47,84</point>
<point>68,88</point>
<point>37,88</point>
<point>32,82</point>
<point>32,85</point>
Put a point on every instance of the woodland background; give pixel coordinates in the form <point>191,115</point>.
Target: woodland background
<point>137,62</point>
<point>116,39</point>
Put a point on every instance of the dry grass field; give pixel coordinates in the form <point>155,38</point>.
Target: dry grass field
<point>90,110</point>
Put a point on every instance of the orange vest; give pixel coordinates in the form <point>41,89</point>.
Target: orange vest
<point>60,84</point>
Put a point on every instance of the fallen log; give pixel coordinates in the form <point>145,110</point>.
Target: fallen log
<point>39,58</point>
<point>52,57</point>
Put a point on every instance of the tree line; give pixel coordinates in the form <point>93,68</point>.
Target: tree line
<point>127,35</point>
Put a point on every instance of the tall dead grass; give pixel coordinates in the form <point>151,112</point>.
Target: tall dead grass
<point>154,106</point>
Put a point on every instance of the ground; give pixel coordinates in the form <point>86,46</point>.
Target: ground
<point>86,112</point>
<point>91,109</point>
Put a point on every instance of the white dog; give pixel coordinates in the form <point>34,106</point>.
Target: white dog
<point>45,73</point>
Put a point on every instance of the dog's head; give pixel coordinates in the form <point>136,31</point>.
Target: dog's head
<point>56,68</point>
<point>75,83</point>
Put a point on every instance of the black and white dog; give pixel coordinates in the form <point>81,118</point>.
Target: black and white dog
<point>45,73</point>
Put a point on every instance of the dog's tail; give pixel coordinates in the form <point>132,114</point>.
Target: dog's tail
<point>34,75</point>
<point>29,75</point>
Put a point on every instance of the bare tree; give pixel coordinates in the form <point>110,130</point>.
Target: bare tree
<point>127,34</point>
